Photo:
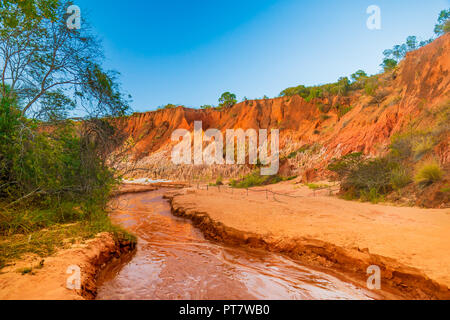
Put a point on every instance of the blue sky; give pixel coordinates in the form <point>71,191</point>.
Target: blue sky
<point>190,52</point>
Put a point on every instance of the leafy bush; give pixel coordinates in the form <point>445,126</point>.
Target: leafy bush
<point>301,150</point>
<point>379,96</point>
<point>423,146</point>
<point>372,196</point>
<point>344,166</point>
<point>389,64</point>
<point>359,75</point>
<point>219,182</point>
<point>359,80</point>
<point>168,107</point>
<point>429,173</point>
<point>255,180</point>
<point>412,145</point>
<point>393,56</point>
<point>315,186</point>
<point>343,110</point>
<point>341,87</point>
<point>53,172</point>
<point>400,178</point>
<point>371,86</point>
<point>369,179</point>
<point>227,100</point>
<point>48,168</point>
<point>443,25</point>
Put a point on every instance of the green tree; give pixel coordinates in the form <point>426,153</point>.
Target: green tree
<point>342,86</point>
<point>168,106</point>
<point>227,100</point>
<point>52,69</point>
<point>443,25</point>
<point>389,64</point>
<point>359,75</point>
<point>46,70</point>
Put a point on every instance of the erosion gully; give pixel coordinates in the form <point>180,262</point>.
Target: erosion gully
<point>174,261</point>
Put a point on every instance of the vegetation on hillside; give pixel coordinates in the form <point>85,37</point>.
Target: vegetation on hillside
<point>54,177</point>
<point>411,161</point>
<point>255,179</point>
<point>227,100</point>
<point>168,107</point>
<point>360,80</point>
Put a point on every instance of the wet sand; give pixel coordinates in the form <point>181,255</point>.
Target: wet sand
<point>49,282</point>
<point>175,261</point>
<point>410,245</point>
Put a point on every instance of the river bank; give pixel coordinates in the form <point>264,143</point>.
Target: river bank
<point>34,278</point>
<point>322,232</point>
<point>174,261</point>
<point>410,245</point>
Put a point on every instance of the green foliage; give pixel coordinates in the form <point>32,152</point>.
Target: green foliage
<point>44,237</point>
<point>53,69</point>
<point>372,196</point>
<point>341,87</point>
<point>429,173</point>
<point>49,177</point>
<point>443,25</point>
<point>52,173</point>
<point>15,12</point>
<point>413,145</point>
<point>389,64</point>
<point>369,179</point>
<point>359,78</point>
<point>219,182</point>
<point>371,86</point>
<point>206,107</point>
<point>43,169</point>
<point>344,166</point>
<point>393,56</point>
<point>359,75</point>
<point>447,26</point>
<point>168,107</point>
<point>303,149</point>
<point>343,110</point>
<point>227,100</point>
<point>256,180</point>
<point>315,186</point>
<point>379,96</point>
<point>400,178</point>
<point>423,146</point>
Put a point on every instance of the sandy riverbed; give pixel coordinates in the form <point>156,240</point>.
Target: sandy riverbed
<point>411,245</point>
<point>49,282</point>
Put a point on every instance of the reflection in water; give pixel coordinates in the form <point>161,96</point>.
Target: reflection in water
<point>174,261</point>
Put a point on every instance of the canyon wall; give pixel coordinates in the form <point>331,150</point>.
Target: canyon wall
<point>414,96</point>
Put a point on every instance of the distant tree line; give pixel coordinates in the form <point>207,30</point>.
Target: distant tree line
<point>360,79</point>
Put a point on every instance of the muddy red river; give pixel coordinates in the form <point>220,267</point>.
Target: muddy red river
<point>174,261</point>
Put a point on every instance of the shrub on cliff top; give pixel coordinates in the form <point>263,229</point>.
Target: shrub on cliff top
<point>227,100</point>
